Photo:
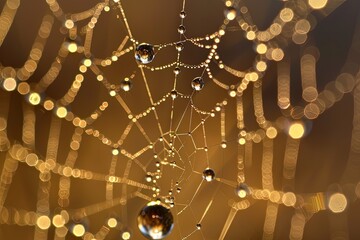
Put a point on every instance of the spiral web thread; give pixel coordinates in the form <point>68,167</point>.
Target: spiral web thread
<point>169,145</point>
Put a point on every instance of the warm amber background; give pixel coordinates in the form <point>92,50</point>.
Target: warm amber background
<point>323,153</point>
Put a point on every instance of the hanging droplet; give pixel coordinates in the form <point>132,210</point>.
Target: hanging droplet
<point>208,174</point>
<point>174,94</point>
<point>148,178</point>
<point>176,70</point>
<point>126,84</point>
<point>197,83</point>
<point>181,29</point>
<point>182,14</point>
<point>242,190</point>
<point>230,13</point>
<point>155,221</point>
<point>178,190</point>
<point>179,46</point>
<point>198,226</point>
<point>144,53</point>
<point>223,144</point>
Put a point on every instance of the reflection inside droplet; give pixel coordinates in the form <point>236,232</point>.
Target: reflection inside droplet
<point>144,53</point>
<point>173,94</point>
<point>155,221</point>
<point>179,46</point>
<point>197,83</point>
<point>126,85</point>
<point>181,29</point>
<point>242,190</point>
<point>208,174</point>
<point>182,14</point>
<point>230,13</point>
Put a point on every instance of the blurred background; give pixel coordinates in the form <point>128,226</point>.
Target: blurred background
<point>323,150</point>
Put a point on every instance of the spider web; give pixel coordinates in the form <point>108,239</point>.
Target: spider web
<point>99,153</point>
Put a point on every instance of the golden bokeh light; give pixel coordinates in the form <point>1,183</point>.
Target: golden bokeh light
<point>275,196</point>
<point>242,141</point>
<point>48,105</point>
<point>252,76</point>
<point>232,93</point>
<point>271,132</point>
<point>23,88</point>
<point>87,62</point>
<point>61,112</point>
<point>302,26</point>
<point>317,4</point>
<point>43,222</point>
<point>69,23</point>
<point>275,29</point>
<point>72,47</point>
<point>100,77</point>
<point>337,203</point>
<point>112,222</point>
<point>296,130</point>
<point>61,232</point>
<point>126,235</point>
<point>78,230</point>
<point>311,111</point>
<point>277,54</point>
<point>32,159</point>
<point>345,82</point>
<point>261,66</point>
<point>286,15</point>
<point>299,38</point>
<point>58,221</point>
<point>261,48</point>
<point>34,98</point>
<point>289,199</point>
<point>112,93</point>
<point>251,35</point>
<point>82,68</point>
<point>9,84</point>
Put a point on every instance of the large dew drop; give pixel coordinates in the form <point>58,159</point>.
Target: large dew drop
<point>208,174</point>
<point>197,83</point>
<point>144,53</point>
<point>155,221</point>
